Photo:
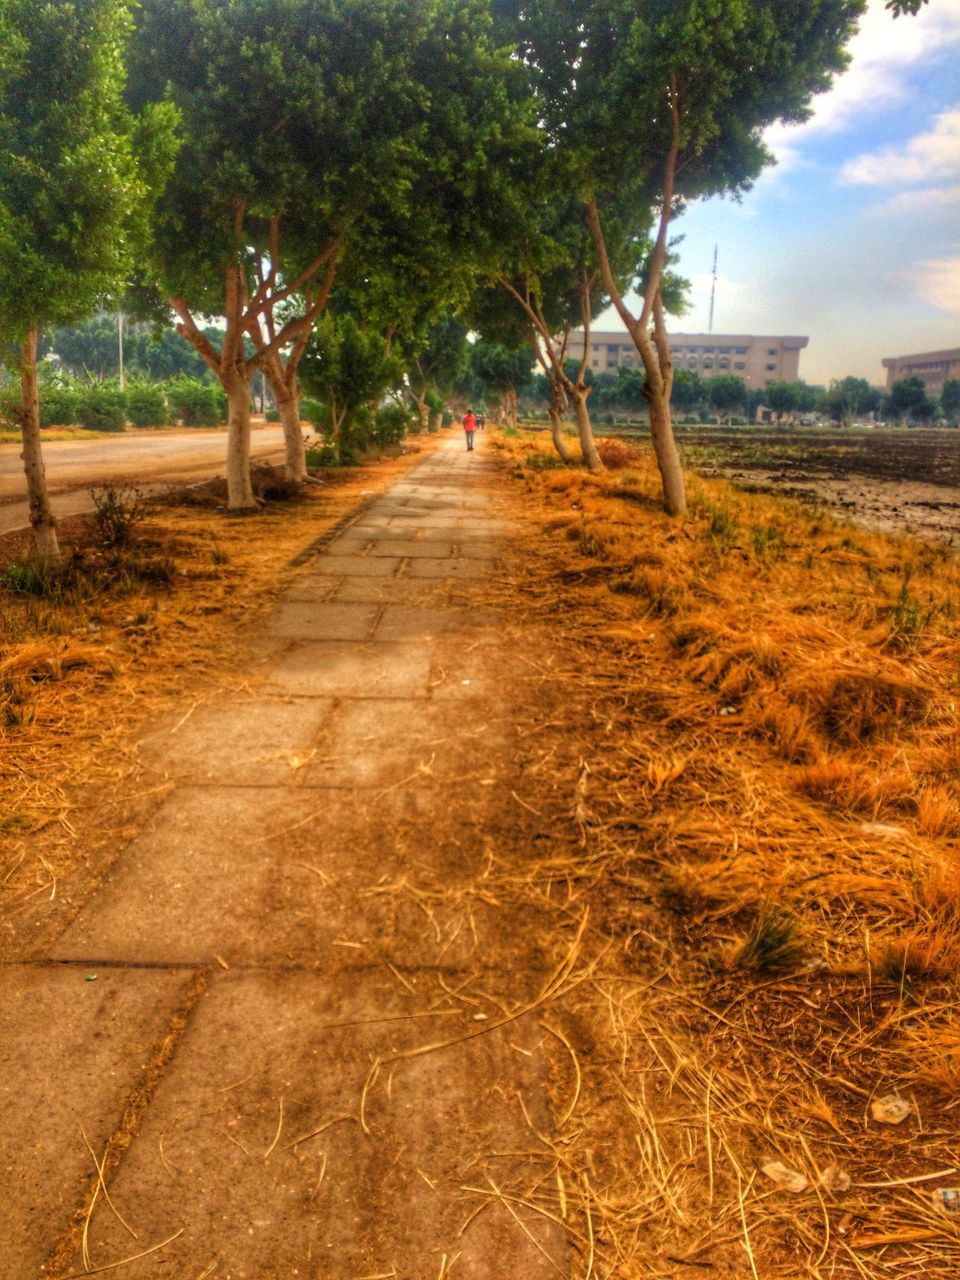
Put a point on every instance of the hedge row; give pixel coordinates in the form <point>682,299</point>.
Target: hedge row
<point>103,406</point>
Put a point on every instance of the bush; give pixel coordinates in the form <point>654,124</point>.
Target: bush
<point>146,405</point>
<point>58,405</point>
<point>391,424</point>
<point>322,452</point>
<point>196,403</point>
<point>102,406</point>
<point>272,415</point>
<point>117,512</point>
<point>310,409</point>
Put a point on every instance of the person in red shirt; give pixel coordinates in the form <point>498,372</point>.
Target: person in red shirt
<point>469,426</point>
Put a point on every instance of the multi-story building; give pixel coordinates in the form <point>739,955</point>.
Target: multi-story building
<point>933,367</point>
<point>758,360</point>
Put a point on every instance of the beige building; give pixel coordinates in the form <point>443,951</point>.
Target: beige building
<point>758,360</point>
<point>934,367</point>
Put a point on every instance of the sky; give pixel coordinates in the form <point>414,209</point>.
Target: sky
<point>853,238</point>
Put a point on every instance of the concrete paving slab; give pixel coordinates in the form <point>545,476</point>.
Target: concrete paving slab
<point>389,590</point>
<point>332,566</point>
<point>408,622</point>
<point>269,1175</point>
<point>410,548</point>
<point>238,743</point>
<point>72,1053</point>
<point>301,619</point>
<point>247,877</point>
<point>380,743</point>
<point>350,671</point>
<point>433,568</point>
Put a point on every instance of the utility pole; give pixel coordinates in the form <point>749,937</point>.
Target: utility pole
<point>120,344</point>
<point>713,289</point>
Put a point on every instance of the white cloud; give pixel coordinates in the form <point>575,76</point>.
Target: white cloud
<point>926,200</point>
<point>939,283</point>
<point>882,53</point>
<point>929,157</point>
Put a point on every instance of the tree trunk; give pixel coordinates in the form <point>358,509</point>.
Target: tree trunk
<point>41,516</point>
<point>240,496</point>
<point>423,409</point>
<point>434,420</point>
<point>556,434</point>
<point>665,450</point>
<point>286,393</point>
<point>588,447</point>
<point>512,406</point>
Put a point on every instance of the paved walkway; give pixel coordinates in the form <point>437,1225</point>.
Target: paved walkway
<point>240,1015</point>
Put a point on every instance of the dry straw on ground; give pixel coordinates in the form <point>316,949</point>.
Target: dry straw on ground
<point>751,750</point>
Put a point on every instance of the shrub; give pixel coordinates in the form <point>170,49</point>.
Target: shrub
<point>146,405</point>
<point>391,424</point>
<point>58,405</point>
<point>196,403</point>
<point>309,409</point>
<point>272,415</point>
<point>322,452</point>
<point>117,512</point>
<point>102,406</point>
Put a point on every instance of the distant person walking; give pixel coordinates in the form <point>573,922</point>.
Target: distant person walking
<point>469,426</point>
<point>481,421</point>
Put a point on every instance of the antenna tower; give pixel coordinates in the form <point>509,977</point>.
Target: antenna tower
<point>713,289</point>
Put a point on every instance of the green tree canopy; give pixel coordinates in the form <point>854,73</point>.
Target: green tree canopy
<point>71,189</point>
<point>656,104</point>
<point>950,400</point>
<point>726,393</point>
<point>316,131</point>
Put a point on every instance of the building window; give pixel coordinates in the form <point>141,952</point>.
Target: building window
<point>611,364</point>
<point>694,349</point>
<point>771,368</point>
<point>710,349</point>
<point>740,364</point>
<point>708,363</point>
<point>596,346</point>
<point>740,351</point>
<point>723,350</point>
<point>724,363</point>
<point>596,363</point>
<point>771,351</point>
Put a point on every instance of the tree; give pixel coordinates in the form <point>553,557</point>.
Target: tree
<point>908,401</point>
<point>950,401</point>
<point>849,397</point>
<point>688,391</point>
<point>439,357</point>
<point>346,367</point>
<point>69,187</point>
<point>781,398</point>
<point>900,7</point>
<point>659,104</point>
<point>311,128</point>
<point>726,393</point>
<point>498,371</point>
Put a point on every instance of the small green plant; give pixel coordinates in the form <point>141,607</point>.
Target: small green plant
<point>768,542</point>
<point>35,577</point>
<point>117,512</point>
<point>909,618</point>
<point>272,415</point>
<point>773,942</point>
<point>722,526</point>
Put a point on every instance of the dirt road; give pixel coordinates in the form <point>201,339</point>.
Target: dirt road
<point>144,458</point>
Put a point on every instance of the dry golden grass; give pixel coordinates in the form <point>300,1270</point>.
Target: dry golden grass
<point>751,744</point>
